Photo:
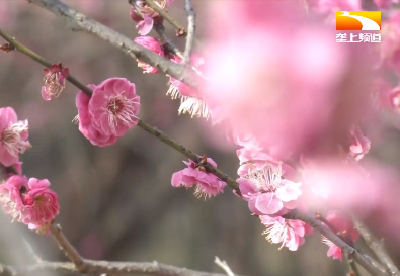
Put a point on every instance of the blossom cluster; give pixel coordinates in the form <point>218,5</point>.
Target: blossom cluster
<point>296,103</point>
<point>29,201</point>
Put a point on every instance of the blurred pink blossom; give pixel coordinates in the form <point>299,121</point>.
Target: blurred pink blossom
<point>359,143</point>
<point>341,183</point>
<point>385,4</point>
<point>207,184</point>
<point>289,232</point>
<point>54,81</point>
<point>268,193</point>
<point>29,201</point>
<point>14,136</point>
<point>330,6</point>
<point>390,45</point>
<point>296,97</point>
<point>344,228</point>
<point>152,44</point>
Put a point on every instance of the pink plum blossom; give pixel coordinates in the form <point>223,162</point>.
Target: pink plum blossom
<point>14,136</point>
<point>86,126</point>
<point>268,193</point>
<point>29,201</point>
<point>289,232</point>
<point>344,228</point>
<point>152,44</point>
<point>54,81</point>
<point>192,101</point>
<point>360,145</point>
<point>206,184</point>
<point>110,112</point>
<point>341,182</point>
<point>270,90</point>
<point>145,16</point>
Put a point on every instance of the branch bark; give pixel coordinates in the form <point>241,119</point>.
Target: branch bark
<point>103,267</point>
<point>376,246</point>
<point>80,22</point>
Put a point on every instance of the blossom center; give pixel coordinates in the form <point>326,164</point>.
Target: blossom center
<point>120,108</point>
<point>268,179</point>
<point>13,140</point>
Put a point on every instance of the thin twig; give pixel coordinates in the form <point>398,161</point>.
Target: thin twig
<point>224,266</point>
<point>24,50</point>
<point>71,253</point>
<point>160,29</point>
<point>81,22</point>
<point>376,246</point>
<point>352,266</point>
<point>180,28</point>
<point>191,17</point>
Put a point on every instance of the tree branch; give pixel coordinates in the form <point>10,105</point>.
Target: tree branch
<point>372,267</point>
<point>104,267</point>
<point>81,22</point>
<point>190,33</point>
<point>376,246</point>
<point>152,130</point>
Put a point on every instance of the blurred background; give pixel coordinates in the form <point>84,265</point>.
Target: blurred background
<point>117,202</point>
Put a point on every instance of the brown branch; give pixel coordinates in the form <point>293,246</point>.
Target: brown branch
<point>104,267</point>
<point>376,246</point>
<point>80,22</point>
<point>371,266</point>
<point>190,32</point>
<point>160,29</point>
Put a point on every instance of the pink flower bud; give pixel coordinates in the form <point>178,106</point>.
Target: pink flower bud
<point>54,81</point>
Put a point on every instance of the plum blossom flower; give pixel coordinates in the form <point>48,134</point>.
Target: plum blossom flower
<point>289,232</point>
<point>152,44</point>
<point>29,201</point>
<point>54,81</point>
<point>109,113</point>
<point>360,145</point>
<point>13,136</point>
<point>192,102</point>
<point>342,227</point>
<point>268,193</point>
<point>206,184</point>
<point>145,16</point>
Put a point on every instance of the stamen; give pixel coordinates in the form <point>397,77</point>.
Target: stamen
<point>194,107</point>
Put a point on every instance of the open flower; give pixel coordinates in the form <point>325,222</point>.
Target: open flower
<point>207,184</point>
<point>54,81</point>
<point>114,105</point>
<point>88,129</point>
<point>29,201</point>
<point>109,113</point>
<point>13,136</point>
<point>268,193</point>
<point>289,232</point>
<point>152,44</point>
